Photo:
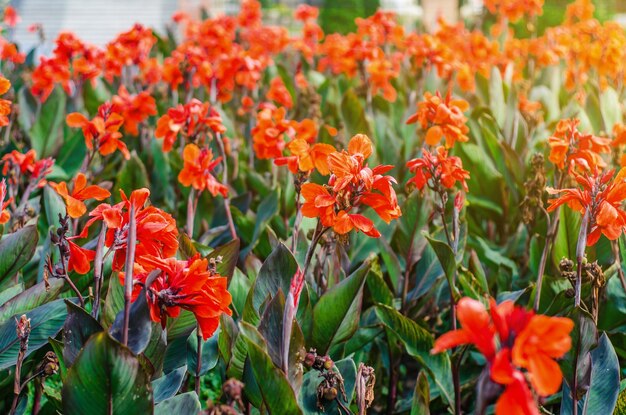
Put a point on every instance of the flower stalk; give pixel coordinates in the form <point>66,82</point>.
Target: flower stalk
<point>131,242</point>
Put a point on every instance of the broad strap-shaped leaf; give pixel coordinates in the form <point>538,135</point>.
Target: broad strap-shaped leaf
<point>168,385</point>
<point>78,328</point>
<point>421,396</point>
<point>446,257</point>
<point>16,249</point>
<point>186,403</point>
<point>276,391</point>
<point>336,314</point>
<point>418,343</point>
<point>139,326</point>
<point>230,254</point>
<point>30,299</point>
<point>106,378</point>
<point>605,383</point>
<point>210,353</point>
<point>46,132</point>
<point>354,115</point>
<point>45,321</point>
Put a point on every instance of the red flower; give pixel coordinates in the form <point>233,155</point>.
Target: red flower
<point>197,170</point>
<point>351,185</point>
<point>81,192</point>
<point>189,285</point>
<point>80,259</point>
<point>191,120</point>
<point>4,213</point>
<point>27,164</point>
<point>279,93</point>
<point>267,135</point>
<point>527,342</point>
<point>135,109</point>
<point>102,132</point>
<point>11,18</point>
<point>602,197</point>
<point>440,168</point>
<point>5,105</point>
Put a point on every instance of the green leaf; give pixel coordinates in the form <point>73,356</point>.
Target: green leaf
<point>168,385</point>
<point>106,378</point>
<point>275,389</point>
<point>45,321</point>
<point>567,235</point>
<point>114,301</point>
<point>605,370</point>
<point>186,403</point>
<point>132,176</point>
<point>16,249</point>
<point>445,255</point>
<point>421,396</point>
<point>46,132</point>
<point>354,116</point>
<point>210,353</point>
<point>418,343</point>
<point>11,292</point>
<point>267,209</point>
<point>79,326</point>
<point>336,314</point>
<point>230,255</point>
<point>275,273</point>
<point>611,109</point>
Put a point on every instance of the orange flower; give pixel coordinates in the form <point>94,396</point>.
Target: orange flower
<point>4,213</point>
<point>544,339</point>
<point>11,18</point>
<point>476,328</point>
<point>267,135</point>
<point>381,71</point>
<point>80,258</point>
<point>306,155</point>
<point>440,168</point>
<point>279,93</point>
<point>351,185</point>
<point>157,234</point>
<point>26,164</point>
<point>619,139</point>
<point>514,10</point>
<point>568,147</point>
<point>191,120</point>
<point>189,285</point>
<point>102,131</point>
<point>197,170</point>
<point>5,105</point>
<point>602,197</point>
<point>442,117</point>
<point>81,192</point>
<point>135,109</point>
<point>527,342</point>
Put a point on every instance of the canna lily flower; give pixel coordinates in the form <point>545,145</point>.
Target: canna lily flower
<point>569,148</point>
<point>279,93</point>
<point>4,213</point>
<point>81,192</point>
<point>514,10</point>
<point>197,170</point>
<point>601,197</point>
<point>135,109</point>
<point>442,117</point>
<point>306,154</point>
<point>80,259</point>
<point>11,18</point>
<point>5,105</point>
<point>442,169</point>
<point>191,120</point>
<point>267,135</point>
<point>350,186</point>
<point>26,164</point>
<point>102,132</point>
<point>188,285</point>
<point>526,342</point>
<point>157,234</point>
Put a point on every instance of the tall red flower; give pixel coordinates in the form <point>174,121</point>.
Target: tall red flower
<point>512,340</point>
<point>188,285</point>
<point>134,108</point>
<point>572,149</point>
<point>438,169</point>
<point>4,213</point>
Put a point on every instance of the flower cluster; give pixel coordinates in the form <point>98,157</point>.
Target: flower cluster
<point>352,184</point>
<point>518,345</point>
<point>574,150</point>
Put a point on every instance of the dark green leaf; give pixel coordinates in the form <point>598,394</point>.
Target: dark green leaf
<point>602,394</point>
<point>46,132</point>
<point>16,249</point>
<point>354,116</point>
<point>308,393</point>
<point>210,353</point>
<point>79,326</point>
<point>139,325</point>
<point>106,378</point>
<point>186,403</point>
<point>168,385</point>
<point>421,396</point>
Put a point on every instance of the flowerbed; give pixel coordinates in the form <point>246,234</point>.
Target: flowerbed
<point>243,220</point>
